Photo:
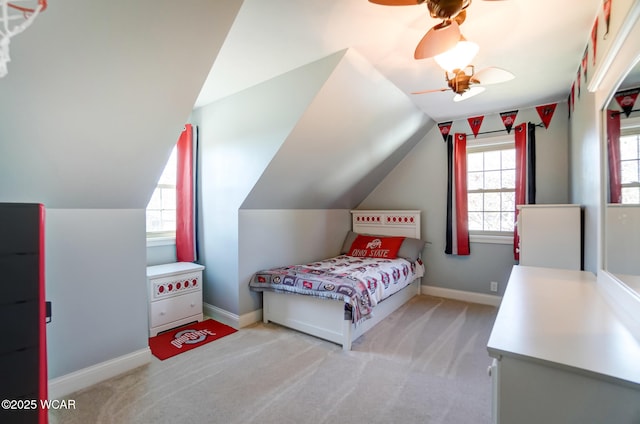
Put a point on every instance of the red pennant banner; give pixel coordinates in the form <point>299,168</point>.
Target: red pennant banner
<point>573,96</point>
<point>508,118</point>
<point>579,78</point>
<point>445,129</point>
<point>546,113</point>
<point>594,39</point>
<point>475,123</point>
<point>606,7</point>
<point>585,62</point>
<point>627,100</point>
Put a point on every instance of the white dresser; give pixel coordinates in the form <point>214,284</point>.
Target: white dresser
<point>175,295</point>
<point>550,236</point>
<point>561,352</point>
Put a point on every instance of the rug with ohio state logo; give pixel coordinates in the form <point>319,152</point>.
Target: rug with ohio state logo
<point>187,337</point>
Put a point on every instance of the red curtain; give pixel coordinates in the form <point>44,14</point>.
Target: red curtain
<point>457,242</point>
<point>613,149</point>
<point>185,197</point>
<point>525,174</point>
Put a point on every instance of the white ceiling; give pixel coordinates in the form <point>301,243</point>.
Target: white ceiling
<point>539,41</point>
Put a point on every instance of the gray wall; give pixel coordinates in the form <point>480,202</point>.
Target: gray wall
<point>420,182</point>
<point>95,272</point>
<point>239,135</point>
<point>271,237</point>
<point>319,137</point>
<point>585,136</point>
<point>72,136</point>
<point>158,255</point>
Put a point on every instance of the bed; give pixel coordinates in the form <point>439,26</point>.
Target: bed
<point>341,314</point>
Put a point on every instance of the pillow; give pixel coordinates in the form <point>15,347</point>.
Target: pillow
<point>375,246</point>
<point>410,248</point>
<point>348,241</point>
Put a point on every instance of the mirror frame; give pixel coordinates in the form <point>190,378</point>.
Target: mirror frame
<point>622,56</point>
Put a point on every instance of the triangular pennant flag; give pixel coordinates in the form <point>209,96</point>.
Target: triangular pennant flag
<point>627,99</point>
<point>606,7</point>
<point>475,123</point>
<point>579,78</point>
<point>573,96</point>
<point>445,128</point>
<point>594,39</point>
<point>585,62</point>
<point>546,113</point>
<point>508,118</point>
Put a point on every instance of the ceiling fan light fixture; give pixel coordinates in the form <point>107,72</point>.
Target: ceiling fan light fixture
<point>438,39</point>
<point>459,57</point>
<point>472,91</point>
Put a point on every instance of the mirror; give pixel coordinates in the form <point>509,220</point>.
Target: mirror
<point>619,272</point>
<point>622,183</point>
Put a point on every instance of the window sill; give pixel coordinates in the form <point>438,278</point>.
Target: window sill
<point>490,239</point>
<point>160,241</point>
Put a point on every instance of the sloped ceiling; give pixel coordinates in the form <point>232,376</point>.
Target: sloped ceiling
<point>540,41</point>
<point>358,127</point>
<point>97,94</point>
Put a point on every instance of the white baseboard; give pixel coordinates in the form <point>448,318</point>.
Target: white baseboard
<point>81,379</point>
<point>230,319</point>
<point>481,298</point>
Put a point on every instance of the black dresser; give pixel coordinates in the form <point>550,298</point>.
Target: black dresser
<point>23,314</point>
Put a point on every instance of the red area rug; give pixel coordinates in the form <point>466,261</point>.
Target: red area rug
<point>187,337</point>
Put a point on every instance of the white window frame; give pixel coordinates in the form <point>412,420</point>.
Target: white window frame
<point>501,142</point>
<point>161,238</point>
<point>630,127</point>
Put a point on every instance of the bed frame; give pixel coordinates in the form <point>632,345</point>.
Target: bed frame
<point>324,318</point>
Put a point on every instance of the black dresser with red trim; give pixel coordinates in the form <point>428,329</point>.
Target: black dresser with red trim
<point>23,314</point>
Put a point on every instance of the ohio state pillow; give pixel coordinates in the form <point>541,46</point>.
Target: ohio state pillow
<point>376,246</point>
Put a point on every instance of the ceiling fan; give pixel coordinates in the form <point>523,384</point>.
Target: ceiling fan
<point>466,82</point>
<point>441,9</point>
<point>443,36</point>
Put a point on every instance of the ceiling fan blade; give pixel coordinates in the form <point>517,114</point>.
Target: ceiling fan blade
<point>493,75</point>
<point>437,40</point>
<point>461,17</point>
<point>472,91</point>
<point>397,2</point>
<point>431,91</point>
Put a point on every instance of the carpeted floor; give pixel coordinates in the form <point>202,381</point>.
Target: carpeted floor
<point>426,363</point>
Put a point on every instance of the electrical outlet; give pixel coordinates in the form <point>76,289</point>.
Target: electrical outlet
<point>493,286</point>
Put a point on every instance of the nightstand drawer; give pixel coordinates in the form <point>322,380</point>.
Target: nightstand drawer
<point>165,311</point>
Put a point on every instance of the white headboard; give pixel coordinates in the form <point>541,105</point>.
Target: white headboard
<point>387,223</point>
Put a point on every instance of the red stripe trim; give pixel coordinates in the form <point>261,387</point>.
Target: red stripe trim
<point>462,222</point>
<point>43,415</point>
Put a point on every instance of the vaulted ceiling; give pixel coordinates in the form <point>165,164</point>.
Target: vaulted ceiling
<point>540,41</point>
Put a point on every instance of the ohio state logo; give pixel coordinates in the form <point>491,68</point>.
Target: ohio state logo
<point>374,244</point>
<point>627,100</point>
<point>190,337</point>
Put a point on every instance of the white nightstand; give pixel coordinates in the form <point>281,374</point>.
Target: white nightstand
<point>175,295</point>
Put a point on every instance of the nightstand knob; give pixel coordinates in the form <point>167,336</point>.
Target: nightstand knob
<point>162,313</point>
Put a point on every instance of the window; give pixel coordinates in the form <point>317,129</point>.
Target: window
<point>630,164</point>
<point>491,182</point>
<point>161,210</point>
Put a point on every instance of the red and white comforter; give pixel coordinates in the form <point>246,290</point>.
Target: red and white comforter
<point>361,282</point>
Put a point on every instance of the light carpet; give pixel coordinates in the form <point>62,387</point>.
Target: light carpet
<point>426,363</point>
